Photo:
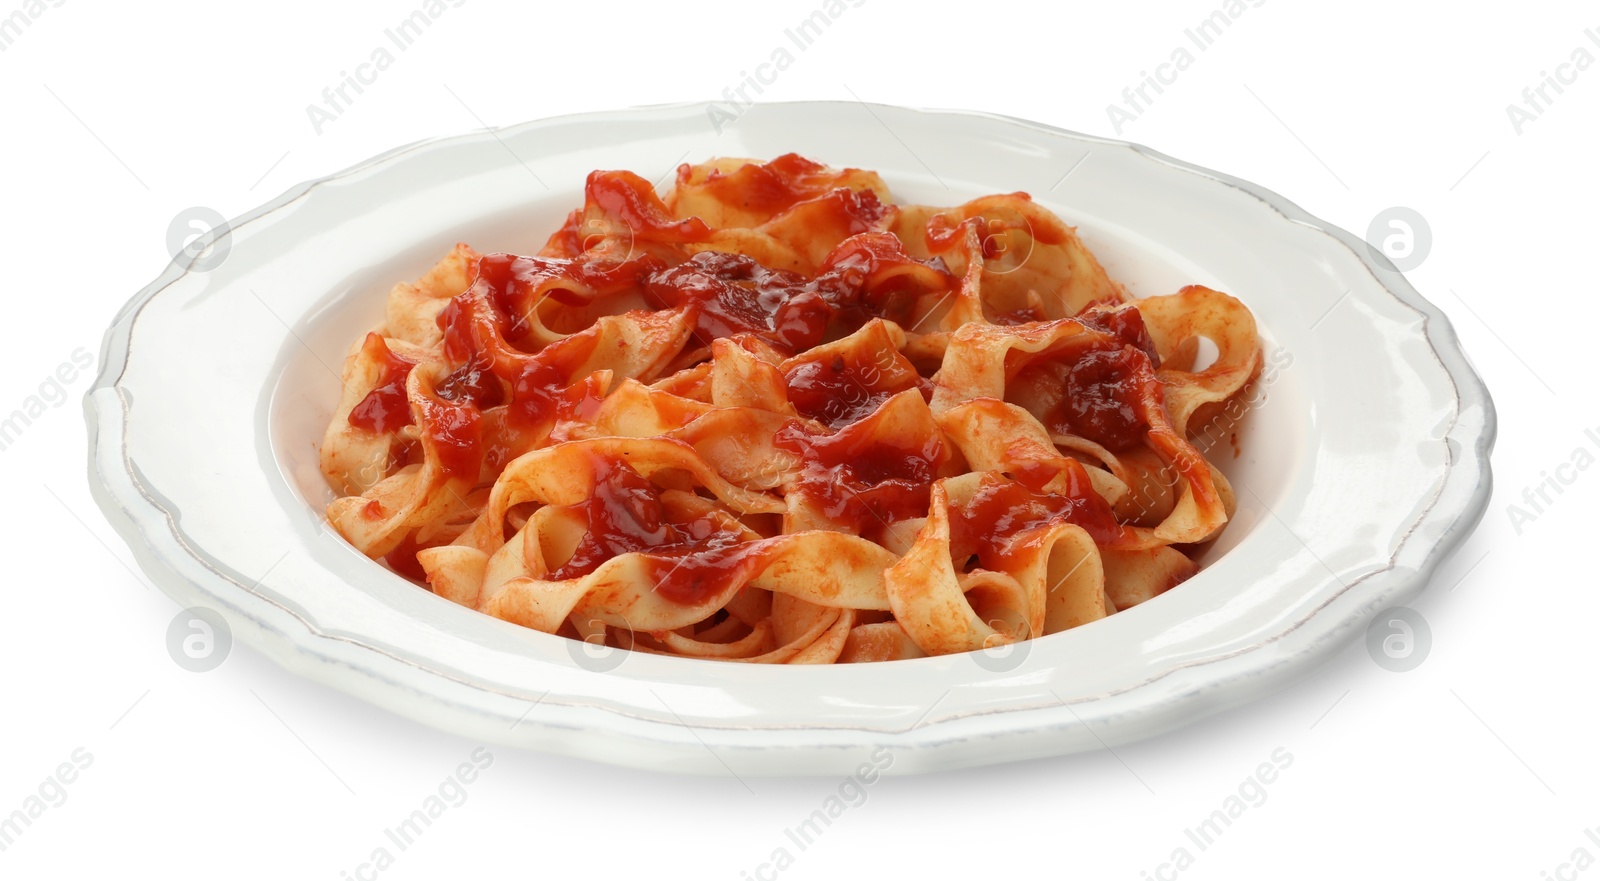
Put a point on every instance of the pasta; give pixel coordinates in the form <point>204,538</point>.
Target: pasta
<point>774,417</point>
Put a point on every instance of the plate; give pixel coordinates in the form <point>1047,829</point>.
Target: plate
<point>1365,452</point>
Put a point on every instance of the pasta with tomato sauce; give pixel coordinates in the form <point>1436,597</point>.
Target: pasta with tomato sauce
<point>773,416</point>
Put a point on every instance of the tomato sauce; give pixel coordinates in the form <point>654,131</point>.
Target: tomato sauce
<point>693,558</point>
<point>773,187</point>
<point>631,199</point>
<point>864,277</point>
<point>859,480</point>
<point>1003,509</point>
<point>384,409</point>
<point>454,431</point>
<point>733,294</point>
<point>1103,397</point>
<point>1102,401</point>
<point>847,387</point>
<point>1126,324</point>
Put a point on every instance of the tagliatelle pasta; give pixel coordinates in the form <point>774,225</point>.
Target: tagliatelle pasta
<point>774,417</point>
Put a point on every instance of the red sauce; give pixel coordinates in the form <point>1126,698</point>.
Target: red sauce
<point>1035,473</point>
<point>455,433</point>
<point>1126,324</point>
<point>733,294</point>
<point>845,388</point>
<point>582,399</point>
<point>1102,401</point>
<point>505,293</point>
<point>624,515</point>
<point>384,409</point>
<point>566,241</point>
<point>693,558</point>
<point>942,233</point>
<point>866,276</point>
<point>489,372</point>
<point>465,321</point>
<point>848,212</point>
<point>632,200</point>
<point>540,388</point>
<point>708,561</point>
<point>767,188</point>
<point>871,276</point>
<point>1107,369</point>
<point>535,392</point>
<point>991,243</point>
<point>859,480</point>
<point>1002,509</point>
<point>474,381</point>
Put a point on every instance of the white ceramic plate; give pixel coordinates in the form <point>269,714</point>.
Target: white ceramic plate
<point>1365,459</point>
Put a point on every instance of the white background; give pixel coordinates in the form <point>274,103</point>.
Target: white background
<point>1479,763</point>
